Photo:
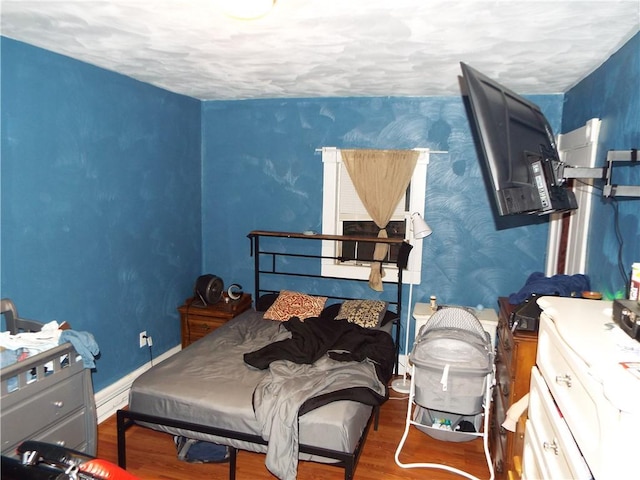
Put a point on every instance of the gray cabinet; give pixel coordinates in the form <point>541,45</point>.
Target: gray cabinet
<point>48,397</point>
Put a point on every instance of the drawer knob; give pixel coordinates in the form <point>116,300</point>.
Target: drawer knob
<point>58,404</point>
<point>564,379</point>
<point>551,447</point>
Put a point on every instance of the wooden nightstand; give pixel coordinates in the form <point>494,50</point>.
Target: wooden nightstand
<point>196,322</point>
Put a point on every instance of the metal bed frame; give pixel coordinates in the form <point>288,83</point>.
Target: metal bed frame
<point>346,460</point>
<point>274,266</point>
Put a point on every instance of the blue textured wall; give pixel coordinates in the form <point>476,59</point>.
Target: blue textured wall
<point>612,93</point>
<point>100,202</point>
<point>260,171</point>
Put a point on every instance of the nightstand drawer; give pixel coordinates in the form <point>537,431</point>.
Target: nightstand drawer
<point>199,328</point>
<point>197,321</point>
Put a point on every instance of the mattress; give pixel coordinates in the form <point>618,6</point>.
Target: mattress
<point>208,383</point>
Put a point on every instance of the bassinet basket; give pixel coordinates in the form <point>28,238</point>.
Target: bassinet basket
<point>451,379</point>
<point>452,356</point>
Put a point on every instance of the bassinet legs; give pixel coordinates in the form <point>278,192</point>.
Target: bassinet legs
<point>484,434</point>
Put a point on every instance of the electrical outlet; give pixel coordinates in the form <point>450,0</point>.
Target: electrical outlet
<point>143,339</point>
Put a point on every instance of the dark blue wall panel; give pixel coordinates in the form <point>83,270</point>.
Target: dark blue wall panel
<point>100,202</point>
<point>612,93</point>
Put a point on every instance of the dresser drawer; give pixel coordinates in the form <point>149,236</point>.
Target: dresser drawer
<point>579,357</point>
<point>559,456</point>
<point>498,435</point>
<point>43,408</point>
<point>574,401</point>
<point>497,457</point>
<point>506,344</point>
<point>503,379</point>
<point>532,457</point>
<point>70,433</point>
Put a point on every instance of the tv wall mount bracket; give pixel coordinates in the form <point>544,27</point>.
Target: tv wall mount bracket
<point>614,157</point>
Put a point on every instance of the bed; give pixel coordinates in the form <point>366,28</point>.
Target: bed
<point>292,388</point>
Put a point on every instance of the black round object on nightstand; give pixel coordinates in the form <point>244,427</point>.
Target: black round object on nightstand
<point>209,289</point>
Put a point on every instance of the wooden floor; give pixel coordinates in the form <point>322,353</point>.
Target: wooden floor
<point>152,455</point>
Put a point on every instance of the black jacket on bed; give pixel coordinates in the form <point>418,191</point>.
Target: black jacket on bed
<point>340,339</point>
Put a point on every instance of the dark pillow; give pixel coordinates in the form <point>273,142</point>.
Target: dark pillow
<point>330,312</point>
<point>265,301</point>
<point>389,316</point>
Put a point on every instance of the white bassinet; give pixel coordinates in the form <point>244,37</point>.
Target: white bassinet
<point>452,375</point>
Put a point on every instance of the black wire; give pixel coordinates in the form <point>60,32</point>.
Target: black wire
<point>150,354</point>
<point>616,224</point>
<point>149,345</point>
<point>406,347</point>
<point>595,187</point>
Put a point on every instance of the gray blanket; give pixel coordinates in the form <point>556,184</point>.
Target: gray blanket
<point>279,396</point>
<point>323,361</point>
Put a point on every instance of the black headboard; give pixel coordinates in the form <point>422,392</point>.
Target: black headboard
<point>270,262</point>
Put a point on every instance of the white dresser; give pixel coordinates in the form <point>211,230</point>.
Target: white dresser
<point>584,406</point>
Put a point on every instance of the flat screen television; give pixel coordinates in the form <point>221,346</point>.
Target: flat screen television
<point>518,149</point>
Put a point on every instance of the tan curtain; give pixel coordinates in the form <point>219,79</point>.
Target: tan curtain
<point>381,178</point>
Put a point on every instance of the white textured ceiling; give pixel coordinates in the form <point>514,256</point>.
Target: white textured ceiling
<point>331,48</point>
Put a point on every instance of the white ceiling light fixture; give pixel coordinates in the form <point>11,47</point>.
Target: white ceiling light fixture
<point>246,9</point>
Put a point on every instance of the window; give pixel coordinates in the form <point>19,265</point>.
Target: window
<point>361,253</point>
<point>344,214</point>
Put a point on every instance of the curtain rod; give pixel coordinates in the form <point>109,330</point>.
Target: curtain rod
<point>418,149</point>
